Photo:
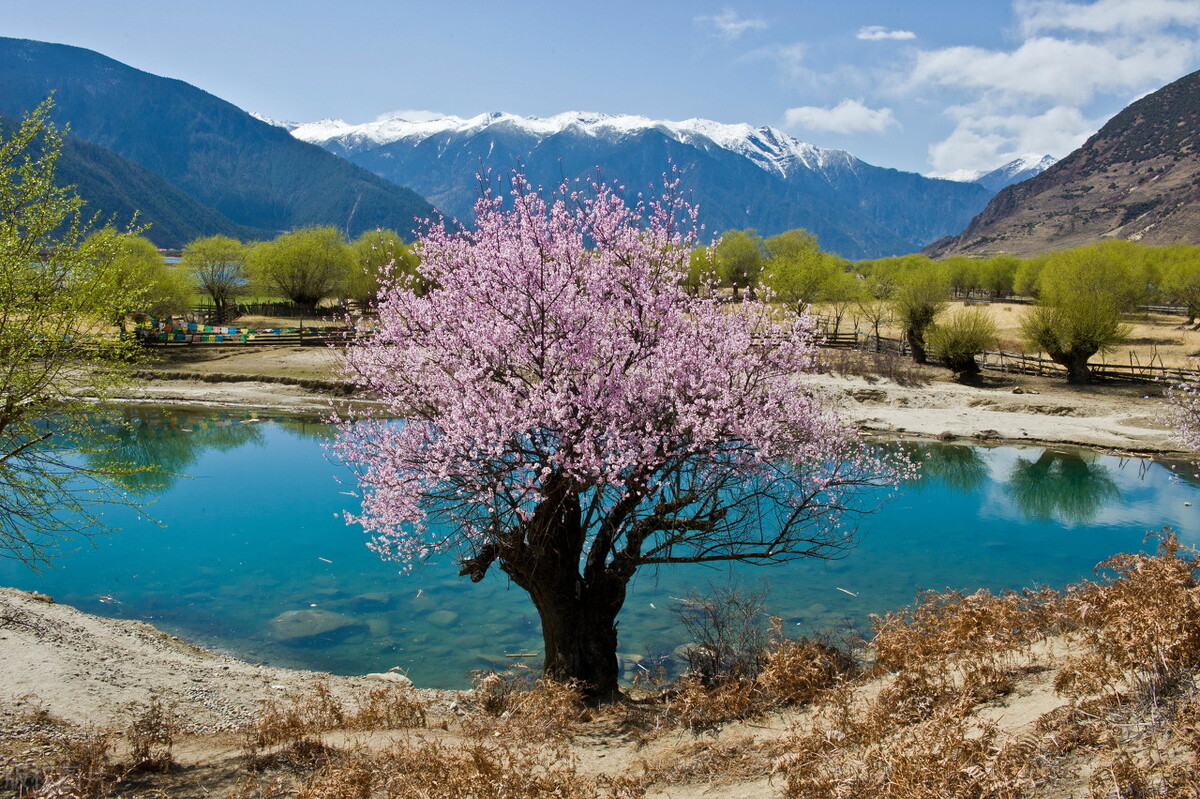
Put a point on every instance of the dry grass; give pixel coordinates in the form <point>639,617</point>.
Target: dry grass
<point>1128,725</point>
<point>301,717</point>
<point>515,704</point>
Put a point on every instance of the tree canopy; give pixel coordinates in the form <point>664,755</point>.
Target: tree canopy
<point>306,265</point>
<point>1082,295</point>
<point>739,257</point>
<point>143,280</point>
<point>379,255</point>
<point>217,264</point>
<point>573,415</point>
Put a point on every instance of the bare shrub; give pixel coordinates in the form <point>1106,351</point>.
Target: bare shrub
<point>727,630</point>
<point>888,365</point>
<point>151,735</point>
<point>1140,623</point>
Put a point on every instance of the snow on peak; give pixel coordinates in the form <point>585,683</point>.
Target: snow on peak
<point>769,148</point>
<point>1033,163</point>
<point>279,123</point>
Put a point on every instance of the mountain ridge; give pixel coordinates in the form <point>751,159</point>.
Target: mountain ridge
<point>252,173</point>
<point>1137,178</point>
<point>738,174</point>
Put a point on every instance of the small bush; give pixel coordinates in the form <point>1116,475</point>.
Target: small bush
<point>727,630</point>
<point>964,335</point>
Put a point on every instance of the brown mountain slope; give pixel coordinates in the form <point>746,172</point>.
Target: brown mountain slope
<point>1138,178</point>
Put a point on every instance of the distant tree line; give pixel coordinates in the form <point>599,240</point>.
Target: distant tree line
<point>305,266</point>
<point>1082,295</point>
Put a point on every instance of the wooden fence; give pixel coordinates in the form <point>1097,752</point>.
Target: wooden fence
<point>1018,362</point>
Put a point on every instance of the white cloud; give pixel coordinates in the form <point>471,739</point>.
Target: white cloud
<point>1106,16</point>
<point>981,143</point>
<point>1059,70</point>
<point>874,33</point>
<point>411,115</point>
<point>848,116</point>
<point>1042,94</point>
<point>788,60</point>
<point>728,25</point>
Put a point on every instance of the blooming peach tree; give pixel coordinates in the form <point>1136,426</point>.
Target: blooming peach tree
<point>1183,411</point>
<point>571,415</point>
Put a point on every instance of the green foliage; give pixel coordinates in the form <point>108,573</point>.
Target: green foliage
<point>1025,279</point>
<point>59,289</point>
<point>921,295</point>
<point>217,265</point>
<point>305,265</point>
<point>144,283</point>
<point>377,252</point>
<point>997,275</point>
<point>962,274</point>
<point>1082,294</point>
<point>964,335</point>
<point>799,273</point>
<point>1116,272</point>
<point>1181,278</point>
<point>739,258</point>
<point>702,271</point>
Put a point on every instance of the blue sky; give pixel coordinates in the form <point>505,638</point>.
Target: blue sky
<point>930,86</point>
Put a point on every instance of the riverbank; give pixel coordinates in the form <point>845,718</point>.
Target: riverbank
<point>1042,695</point>
<point>924,402</point>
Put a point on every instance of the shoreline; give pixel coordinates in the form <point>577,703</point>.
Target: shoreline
<point>1116,419</point>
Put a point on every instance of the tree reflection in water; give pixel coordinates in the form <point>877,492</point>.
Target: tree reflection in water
<point>1069,486</point>
<point>160,443</point>
<point>958,467</point>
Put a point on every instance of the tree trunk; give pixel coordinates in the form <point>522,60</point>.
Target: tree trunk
<point>578,612</point>
<point>580,639</point>
<point>1078,372</point>
<point>917,343</point>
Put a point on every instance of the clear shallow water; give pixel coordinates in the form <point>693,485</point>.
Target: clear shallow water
<point>255,530</point>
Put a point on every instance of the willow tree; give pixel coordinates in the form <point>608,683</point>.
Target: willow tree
<point>217,265</point>
<point>305,265</point>
<point>1082,296</point>
<point>59,290</point>
<point>573,415</point>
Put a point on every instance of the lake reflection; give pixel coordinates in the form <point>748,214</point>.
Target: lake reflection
<point>252,555</point>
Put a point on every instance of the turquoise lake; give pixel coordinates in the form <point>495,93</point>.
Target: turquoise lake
<point>250,527</point>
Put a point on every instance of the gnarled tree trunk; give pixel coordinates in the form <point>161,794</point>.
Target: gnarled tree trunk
<point>580,637</point>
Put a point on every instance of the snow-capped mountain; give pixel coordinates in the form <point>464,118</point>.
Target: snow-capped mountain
<point>1015,171</point>
<point>739,175</point>
<point>767,147</point>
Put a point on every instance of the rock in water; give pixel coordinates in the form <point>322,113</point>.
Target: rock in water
<point>311,625</point>
<point>442,618</point>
